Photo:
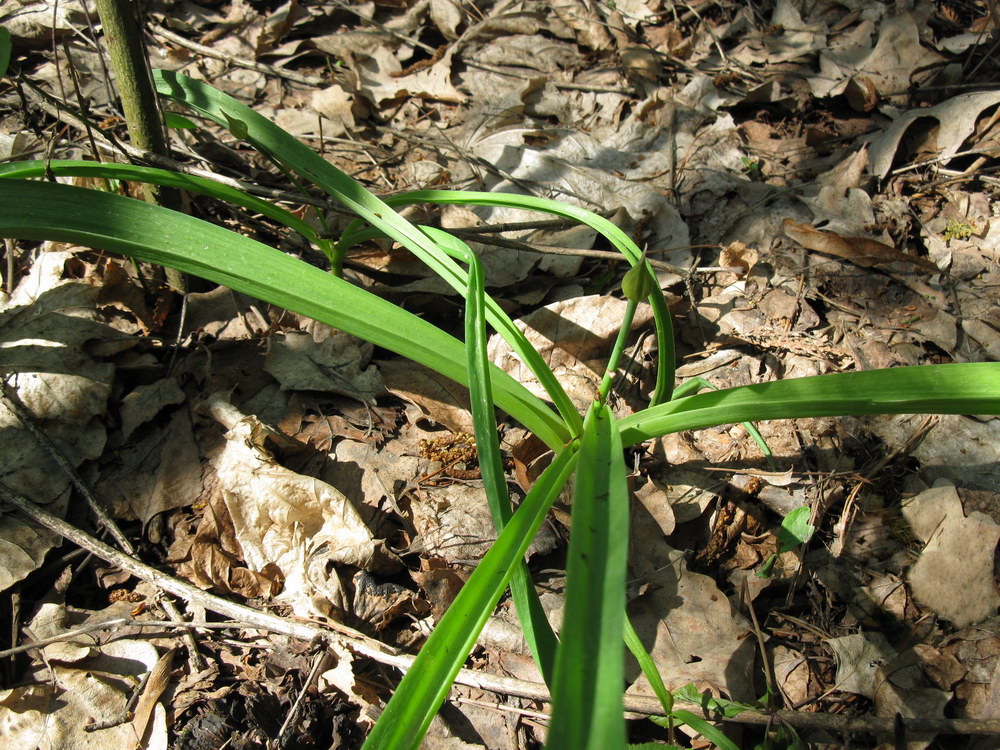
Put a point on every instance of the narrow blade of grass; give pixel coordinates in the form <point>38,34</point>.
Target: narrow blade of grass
<point>409,712</point>
<point>296,156</point>
<point>648,667</point>
<point>587,708</point>
<point>537,631</point>
<point>966,388</point>
<point>709,731</point>
<point>158,235</point>
<point>191,183</point>
<point>621,242</point>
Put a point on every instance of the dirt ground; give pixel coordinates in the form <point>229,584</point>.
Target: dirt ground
<point>818,185</point>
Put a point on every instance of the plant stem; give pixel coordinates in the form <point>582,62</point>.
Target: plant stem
<point>135,85</point>
<point>138,96</point>
<point>616,352</point>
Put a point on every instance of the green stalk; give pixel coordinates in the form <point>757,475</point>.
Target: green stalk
<point>537,631</point>
<point>158,235</point>
<point>621,242</point>
<point>122,34</point>
<point>587,709</point>
<point>616,352</point>
<point>426,684</point>
<point>961,388</point>
<point>283,147</point>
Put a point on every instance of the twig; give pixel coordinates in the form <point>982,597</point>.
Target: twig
<point>14,402</point>
<point>239,62</point>
<point>127,622</point>
<point>319,661</point>
<point>347,638</point>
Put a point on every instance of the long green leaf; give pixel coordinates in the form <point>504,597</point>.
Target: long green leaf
<point>5,49</point>
<point>191,183</point>
<point>587,708</point>
<point>705,729</point>
<point>967,388</point>
<point>296,156</point>
<point>171,239</point>
<point>621,241</point>
<point>648,667</point>
<point>537,631</point>
<point>409,712</point>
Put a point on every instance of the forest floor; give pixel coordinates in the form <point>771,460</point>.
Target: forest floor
<point>818,184</point>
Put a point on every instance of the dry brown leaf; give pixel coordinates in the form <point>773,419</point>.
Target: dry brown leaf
<point>792,672</point>
<point>689,627</point>
<point>858,250</point>
<point>902,689</point>
<point>954,574</point>
<point>158,472</point>
<point>336,363</point>
<point>859,656</point>
<point>440,399</point>
<point>287,519</point>
<point>956,118</point>
<point>585,22</point>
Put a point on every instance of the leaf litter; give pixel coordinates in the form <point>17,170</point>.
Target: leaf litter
<point>821,173</point>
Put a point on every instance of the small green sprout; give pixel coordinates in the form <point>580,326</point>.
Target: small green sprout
<point>795,530</point>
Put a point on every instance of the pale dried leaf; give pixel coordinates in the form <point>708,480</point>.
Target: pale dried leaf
<point>960,449</point>
<point>954,574</point>
<point>956,119</point>
<point>337,106</point>
<point>791,670</point>
<point>286,519</point>
<point>62,697</point>
<point>859,656</point>
<point>338,364</point>
<point>46,330</point>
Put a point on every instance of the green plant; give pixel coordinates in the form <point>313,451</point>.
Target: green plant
<point>795,530</point>
<point>584,668</point>
<point>959,230</point>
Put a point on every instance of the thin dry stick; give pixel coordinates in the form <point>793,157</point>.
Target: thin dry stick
<point>348,639</point>
<point>129,622</point>
<point>27,419</point>
<point>239,62</point>
<point>14,403</point>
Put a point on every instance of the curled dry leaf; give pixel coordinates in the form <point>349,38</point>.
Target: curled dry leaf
<point>956,117</point>
<point>858,250</point>
<point>287,519</point>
